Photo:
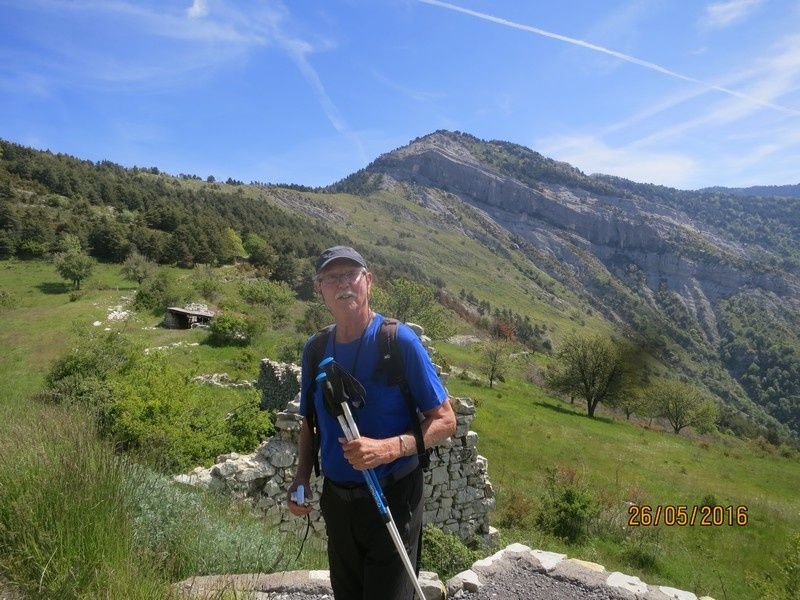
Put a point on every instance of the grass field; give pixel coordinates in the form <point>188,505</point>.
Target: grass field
<point>523,432</point>
<point>74,520</point>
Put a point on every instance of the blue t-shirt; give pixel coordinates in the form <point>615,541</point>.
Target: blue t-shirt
<point>385,413</point>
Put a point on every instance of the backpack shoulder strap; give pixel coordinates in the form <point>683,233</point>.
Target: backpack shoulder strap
<point>392,363</point>
<point>315,350</point>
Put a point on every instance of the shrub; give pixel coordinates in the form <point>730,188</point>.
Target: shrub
<point>209,287</point>
<point>97,355</point>
<point>159,292</point>
<point>231,330</point>
<point>291,352</point>
<point>159,415</point>
<point>84,390</point>
<point>515,509</point>
<point>247,426</point>
<point>444,553</point>
<point>409,301</point>
<point>275,296</point>
<point>568,508</point>
<point>244,363</point>
<point>74,296</point>
<point>315,317</point>
<point>146,406</point>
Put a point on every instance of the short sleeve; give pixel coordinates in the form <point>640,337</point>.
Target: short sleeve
<point>425,385</point>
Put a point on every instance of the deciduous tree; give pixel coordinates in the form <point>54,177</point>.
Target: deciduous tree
<point>494,360</point>
<point>137,268</point>
<point>683,405</point>
<point>592,367</point>
<point>74,266</point>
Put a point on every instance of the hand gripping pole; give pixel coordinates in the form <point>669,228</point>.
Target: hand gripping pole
<point>338,405</point>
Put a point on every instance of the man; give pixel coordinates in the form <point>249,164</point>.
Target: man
<point>364,563</point>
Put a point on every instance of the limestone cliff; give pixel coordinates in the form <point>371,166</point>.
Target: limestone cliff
<point>639,253</point>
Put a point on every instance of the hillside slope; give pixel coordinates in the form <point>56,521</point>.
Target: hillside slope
<point>705,282</point>
<point>672,267</point>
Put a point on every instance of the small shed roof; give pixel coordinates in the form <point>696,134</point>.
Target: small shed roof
<point>196,313</point>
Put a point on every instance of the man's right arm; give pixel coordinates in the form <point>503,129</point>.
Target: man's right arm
<point>305,462</point>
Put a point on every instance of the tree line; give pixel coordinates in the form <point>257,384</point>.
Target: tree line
<point>113,211</point>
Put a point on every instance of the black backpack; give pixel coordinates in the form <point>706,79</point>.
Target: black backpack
<point>390,363</point>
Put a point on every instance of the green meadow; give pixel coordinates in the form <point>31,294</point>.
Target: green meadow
<point>524,432</point>
<point>78,520</point>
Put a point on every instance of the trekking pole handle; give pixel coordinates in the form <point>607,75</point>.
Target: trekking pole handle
<point>351,422</point>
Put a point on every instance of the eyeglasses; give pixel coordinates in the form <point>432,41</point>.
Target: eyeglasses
<point>349,277</point>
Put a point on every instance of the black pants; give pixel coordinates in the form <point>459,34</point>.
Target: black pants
<point>364,563</point>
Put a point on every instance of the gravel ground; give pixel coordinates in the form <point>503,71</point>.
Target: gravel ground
<point>289,596</point>
<point>7,591</point>
<point>523,584</point>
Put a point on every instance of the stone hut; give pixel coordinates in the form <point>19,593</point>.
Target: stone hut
<point>188,317</point>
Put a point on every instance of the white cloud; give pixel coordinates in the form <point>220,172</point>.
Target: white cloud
<point>771,79</point>
<point>721,14</point>
<point>209,43</point>
<point>620,55</point>
<point>299,50</point>
<point>198,9</point>
<point>592,155</point>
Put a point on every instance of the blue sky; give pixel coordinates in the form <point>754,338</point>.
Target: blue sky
<point>677,92</point>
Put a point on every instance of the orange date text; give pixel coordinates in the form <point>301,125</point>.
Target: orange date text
<point>686,515</point>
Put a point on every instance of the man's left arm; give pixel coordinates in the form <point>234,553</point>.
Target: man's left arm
<point>368,453</point>
<point>438,425</point>
<point>426,388</point>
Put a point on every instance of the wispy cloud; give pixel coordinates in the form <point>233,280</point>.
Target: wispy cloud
<point>208,37</point>
<point>755,149</point>
<point>620,55</point>
<point>721,14</point>
<point>772,78</point>
<point>299,50</point>
<point>198,9</point>
<point>592,155</point>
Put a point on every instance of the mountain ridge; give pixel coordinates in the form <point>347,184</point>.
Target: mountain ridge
<point>666,251</point>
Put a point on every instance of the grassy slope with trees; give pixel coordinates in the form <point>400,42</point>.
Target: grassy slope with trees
<point>410,242</point>
<point>615,461</point>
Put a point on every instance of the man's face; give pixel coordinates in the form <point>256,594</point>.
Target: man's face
<point>345,287</point>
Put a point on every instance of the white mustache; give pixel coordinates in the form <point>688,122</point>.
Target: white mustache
<point>345,295</point>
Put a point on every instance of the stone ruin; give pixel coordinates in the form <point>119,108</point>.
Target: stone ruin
<point>458,495</point>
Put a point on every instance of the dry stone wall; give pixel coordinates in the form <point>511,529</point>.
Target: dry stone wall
<point>458,494</point>
<point>279,383</point>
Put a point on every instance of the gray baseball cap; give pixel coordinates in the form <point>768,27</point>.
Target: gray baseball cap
<point>337,252</point>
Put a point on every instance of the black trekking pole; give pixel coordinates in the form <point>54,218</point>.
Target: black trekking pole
<point>339,389</point>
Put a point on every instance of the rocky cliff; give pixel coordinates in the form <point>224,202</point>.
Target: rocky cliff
<point>645,256</point>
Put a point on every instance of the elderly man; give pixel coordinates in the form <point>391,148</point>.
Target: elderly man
<point>364,563</point>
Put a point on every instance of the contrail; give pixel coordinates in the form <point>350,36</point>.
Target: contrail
<point>614,53</point>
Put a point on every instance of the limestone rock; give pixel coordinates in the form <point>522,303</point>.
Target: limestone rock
<point>466,580</point>
<point>626,582</point>
<point>431,585</point>
<point>671,592</point>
